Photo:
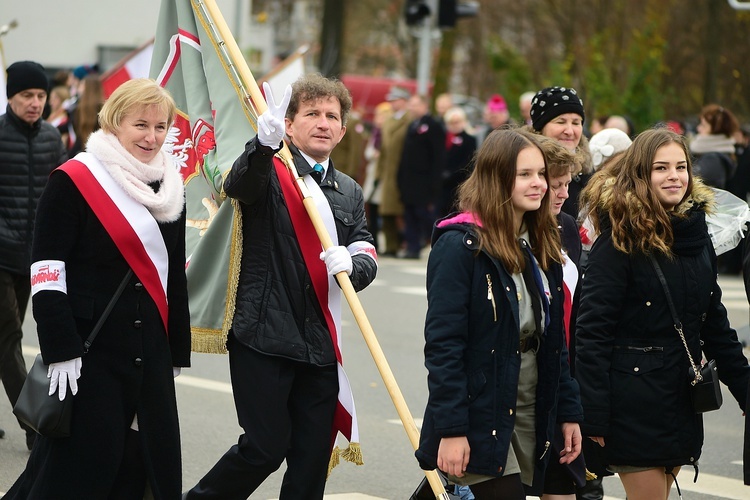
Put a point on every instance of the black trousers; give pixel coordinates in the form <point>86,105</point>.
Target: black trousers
<point>418,221</point>
<point>286,411</point>
<point>14,297</point>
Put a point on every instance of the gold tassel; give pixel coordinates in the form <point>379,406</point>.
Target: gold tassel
<point>334,460</point>
<point>208,341</point>
<point>353,454</point>
<point>590,476</point>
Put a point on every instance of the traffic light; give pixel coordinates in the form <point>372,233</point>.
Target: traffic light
<point>450,10</point>
<point>415,11</point>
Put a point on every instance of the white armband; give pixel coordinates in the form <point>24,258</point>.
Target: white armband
<point>48,275</point>
<point>362,247</point>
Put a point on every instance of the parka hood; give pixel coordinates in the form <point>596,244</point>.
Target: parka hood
<point>702,197</point>
<point>461,221</point>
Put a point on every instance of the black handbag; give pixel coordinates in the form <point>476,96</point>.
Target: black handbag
<point>46,414</point>
<point>705,391</point>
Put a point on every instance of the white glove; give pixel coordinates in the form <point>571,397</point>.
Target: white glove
<point>271,121</point>
<point>337,259</point>
<point>64,373</point>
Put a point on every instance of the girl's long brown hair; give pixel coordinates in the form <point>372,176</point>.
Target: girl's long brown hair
<point>85,121</point>
<point>487,194</point>
<point>622,190</point>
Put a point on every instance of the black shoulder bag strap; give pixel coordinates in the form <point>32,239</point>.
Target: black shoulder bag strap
<point>107,310</point>
<point>675,319</point>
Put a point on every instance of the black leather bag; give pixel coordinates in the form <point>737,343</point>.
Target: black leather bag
<point>706,393</point>
<point>47,415</point>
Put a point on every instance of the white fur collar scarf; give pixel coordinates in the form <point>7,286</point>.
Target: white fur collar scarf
<point>134,176</point>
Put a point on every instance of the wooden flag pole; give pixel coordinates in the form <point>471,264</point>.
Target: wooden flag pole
<point>259,103</point>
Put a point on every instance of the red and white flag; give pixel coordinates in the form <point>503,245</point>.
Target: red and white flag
<point>137,64</point>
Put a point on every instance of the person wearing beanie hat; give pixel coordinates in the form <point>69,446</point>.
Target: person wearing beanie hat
<point>24,75</point>
<point>496,111</point>
<point>495,116</point>
<point>607,143</point>
<point>30,149</point>
<point>557,112</point>
<point>26,87</point>
<point>82,71</point>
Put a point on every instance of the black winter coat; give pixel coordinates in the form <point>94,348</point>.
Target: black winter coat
<point>422,162</point>
<point>458,159</point>
<point>472,355</point>
<point>715,169</point>
<point>28,153</point>
<point>630,362</point>
<point>277,311</point>
<point>129,367</point>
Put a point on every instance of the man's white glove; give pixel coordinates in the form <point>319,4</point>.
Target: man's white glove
<point>337,259</point>
<point>271,122</point>
<point>63,374</point>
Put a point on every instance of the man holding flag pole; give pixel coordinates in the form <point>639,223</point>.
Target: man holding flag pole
<point>290,390</point>
<point>193,42</point>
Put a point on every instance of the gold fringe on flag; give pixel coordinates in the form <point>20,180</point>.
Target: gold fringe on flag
<point>213,341</point>
<point>334,461</point>
<point>590,476</point>
<point>352,453</point>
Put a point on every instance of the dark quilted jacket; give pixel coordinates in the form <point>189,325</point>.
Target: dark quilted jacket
<point>28,153</point>
<point>277,312</point>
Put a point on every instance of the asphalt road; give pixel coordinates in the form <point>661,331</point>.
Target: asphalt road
<point>395,304</point>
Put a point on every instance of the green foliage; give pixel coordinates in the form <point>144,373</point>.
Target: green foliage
<point>643,94</point>
<point>511,69</point>
<point>601,91</point>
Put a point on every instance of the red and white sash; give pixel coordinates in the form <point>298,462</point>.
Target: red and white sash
<point>570,281</point>
<point>326,289</point>
<point>130,225</point>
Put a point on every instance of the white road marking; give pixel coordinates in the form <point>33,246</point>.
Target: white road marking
<point>186,380</point>
<point>411,290</point>
<point>349,496</point>
<point>397,421</point>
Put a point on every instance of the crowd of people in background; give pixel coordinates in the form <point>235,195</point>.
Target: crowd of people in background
<point>526,383</point>
<point>380,151</point>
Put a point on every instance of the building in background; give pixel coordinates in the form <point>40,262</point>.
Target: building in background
<point>103,32</point>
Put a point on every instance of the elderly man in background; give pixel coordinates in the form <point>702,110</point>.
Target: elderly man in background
<point>30,149</point>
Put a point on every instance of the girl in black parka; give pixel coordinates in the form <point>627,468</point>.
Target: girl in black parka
<point>499,378</point>
<point>630,361</point>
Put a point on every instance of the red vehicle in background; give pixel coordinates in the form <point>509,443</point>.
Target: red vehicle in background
<point>369,91</point>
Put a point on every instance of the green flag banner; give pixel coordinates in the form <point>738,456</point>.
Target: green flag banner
<point>210,131</point>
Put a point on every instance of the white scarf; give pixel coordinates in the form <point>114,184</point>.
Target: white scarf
<point>134,176</point>
<point>713,143</point>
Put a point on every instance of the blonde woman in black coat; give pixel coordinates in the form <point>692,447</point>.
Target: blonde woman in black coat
<point>631,363</point>
<point>117,207</point>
